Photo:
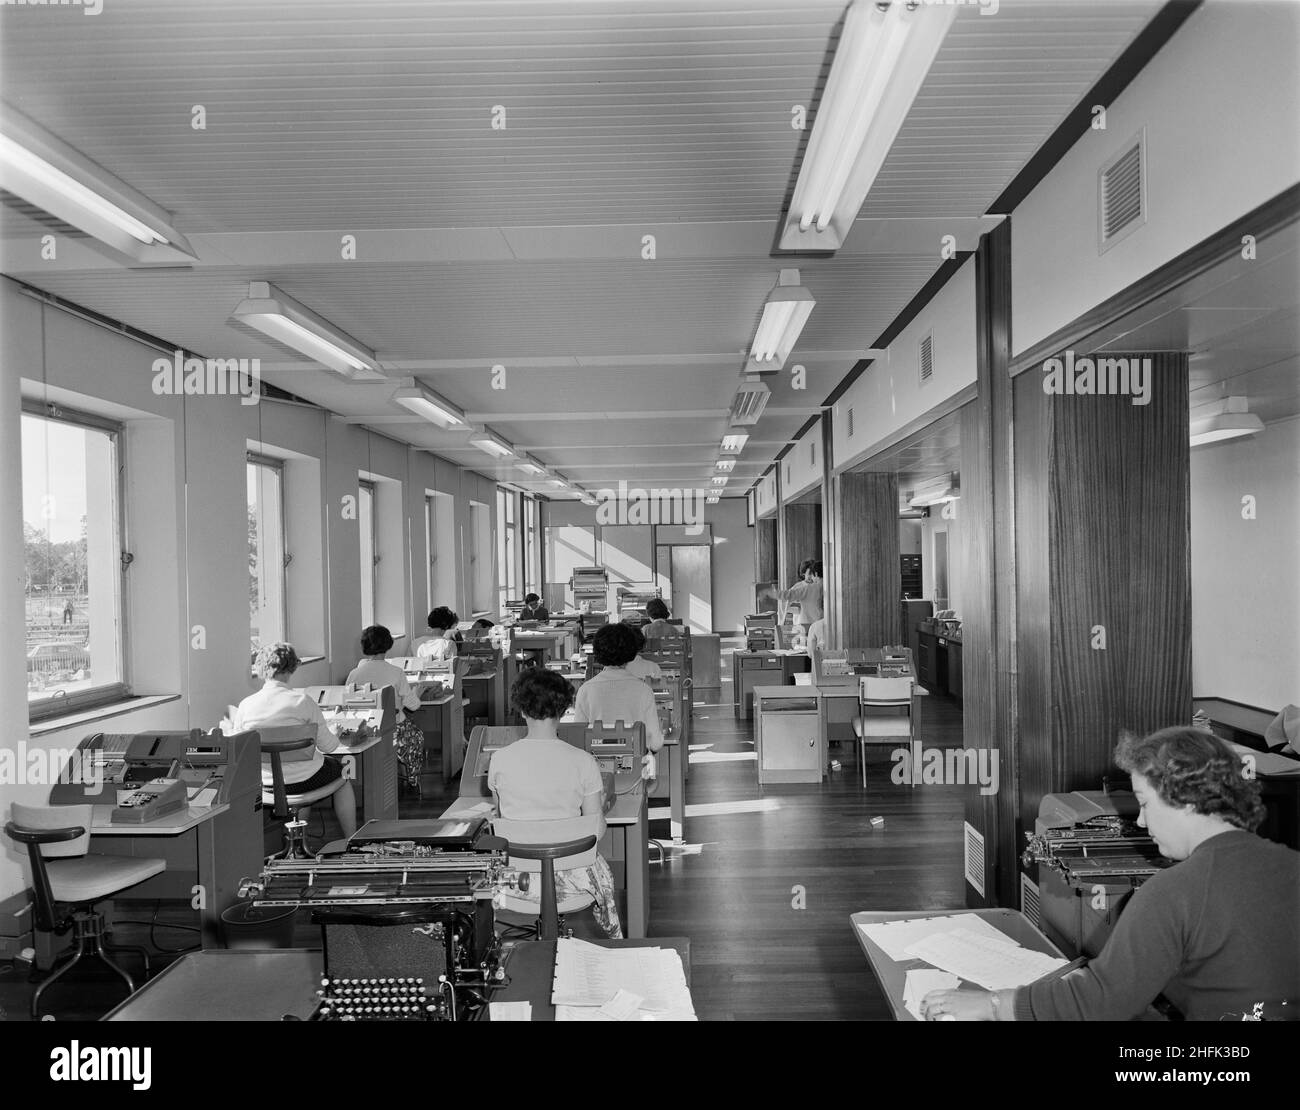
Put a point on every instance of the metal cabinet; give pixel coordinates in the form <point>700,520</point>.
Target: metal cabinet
<point>787,735</point>
<point>761,668</point>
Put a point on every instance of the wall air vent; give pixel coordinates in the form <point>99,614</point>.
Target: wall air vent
<point>1122,194</point>
<point>1030,903</point>
<point>974,840</point>
<point>750,401</point>
<point>849,422</point>
<point>927,358</point>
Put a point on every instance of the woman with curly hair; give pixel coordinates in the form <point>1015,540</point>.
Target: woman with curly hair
<point>1218,933</point>
<point>277,703</point>
<point>543,778</point>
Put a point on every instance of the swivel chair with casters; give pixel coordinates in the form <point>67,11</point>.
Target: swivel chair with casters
<point>63,873</point>
<point>888,694</point>
<point>537,848</point>
<point>276,741</point>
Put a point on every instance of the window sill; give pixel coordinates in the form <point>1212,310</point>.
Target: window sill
<point>310,659</point>
<point>75,719</point>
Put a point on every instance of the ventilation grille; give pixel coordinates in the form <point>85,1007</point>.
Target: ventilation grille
<point>975,858</point>
<point>1121,194</point>
<point>812,453</point>
<point>927,358</point>
<point>15,203</point>
<point>1030,905</point>
<point>850,423</point>
<point>750,401</point>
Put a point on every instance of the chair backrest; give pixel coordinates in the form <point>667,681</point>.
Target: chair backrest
<point>277,734</point>
<point>541,833</point>
<point>57,817</point>
<point>885,691</point>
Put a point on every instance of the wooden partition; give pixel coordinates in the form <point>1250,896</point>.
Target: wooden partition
<point>802,536</point>
<point>866,597</point>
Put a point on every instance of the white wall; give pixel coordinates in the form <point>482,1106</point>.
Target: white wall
<point>801,469</point>
<point>1219,103</point>
<point>187,521</point>
<point>1245,584</point>
<point>934,524</point>
<point>889,394</point>
<point>765,500</point>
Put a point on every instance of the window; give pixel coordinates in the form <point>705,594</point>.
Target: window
<point>266,552</point>
<point>440,543</point>
<point>507,549</point>
<point>532,548</point>
<point>369,551</point>
<point>74,580</point>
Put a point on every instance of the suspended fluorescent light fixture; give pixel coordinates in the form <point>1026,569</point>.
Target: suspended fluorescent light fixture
<point>750,401</point>
<point>531,466</point>
<point>276,314</point>
<point>719,480</point>
<point>1232,422</point>
<point>424,402</point>
<point>492,444</point>
<point>726,465</point>
<point>558,482</point>
<point>734,443</point>
<point>712,499</point>
<point>587,499</point>
<point>880,64</point>
<point>936,491</point>
<point>785,312</point>
<point>48,173</point>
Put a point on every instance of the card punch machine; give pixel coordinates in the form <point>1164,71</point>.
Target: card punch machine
<point>148,775</point>
<point>1090,855</point>
<point>406,918</point>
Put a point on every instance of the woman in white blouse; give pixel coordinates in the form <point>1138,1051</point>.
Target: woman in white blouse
<point>276,704</point>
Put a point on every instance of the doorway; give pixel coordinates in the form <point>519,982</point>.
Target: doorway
<point>685,576</point>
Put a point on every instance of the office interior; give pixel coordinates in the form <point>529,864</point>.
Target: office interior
<point>538,240</point>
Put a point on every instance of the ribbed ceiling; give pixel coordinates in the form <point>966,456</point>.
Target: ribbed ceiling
<point>335,117</point>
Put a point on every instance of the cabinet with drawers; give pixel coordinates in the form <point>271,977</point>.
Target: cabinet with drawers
<point>761,668</point>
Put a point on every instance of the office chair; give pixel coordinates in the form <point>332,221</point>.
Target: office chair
<point>884,693</point>
<point>537,848</point>
<point>276,741</point>
<point>57,839</point>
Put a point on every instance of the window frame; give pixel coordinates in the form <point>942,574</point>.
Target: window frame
<point>372,487</point>
<point>111,693</point>
<point>253,458</point>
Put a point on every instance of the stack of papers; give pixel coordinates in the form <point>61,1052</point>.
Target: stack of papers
<point>994,963</point>
<point>619,984</point>
<point>921,983</point>
<point>896,937</point>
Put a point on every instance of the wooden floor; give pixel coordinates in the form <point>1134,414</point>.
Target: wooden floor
<point>753,856</point>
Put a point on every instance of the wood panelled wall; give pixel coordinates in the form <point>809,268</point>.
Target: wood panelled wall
<point>802,536</point>
<point>765,550</point>
<point>871,579</point>
<point>1103,561</point>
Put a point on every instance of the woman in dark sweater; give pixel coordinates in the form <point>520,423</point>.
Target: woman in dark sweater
<point>1218,934</point>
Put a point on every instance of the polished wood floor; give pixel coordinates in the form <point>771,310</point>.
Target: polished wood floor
<point>763,886</point>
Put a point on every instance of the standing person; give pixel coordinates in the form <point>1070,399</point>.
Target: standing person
<point>533,609</point>
<point>68,612</point>
<point>442,644</point>
<point>808,595</point>
<point>1218,933</point>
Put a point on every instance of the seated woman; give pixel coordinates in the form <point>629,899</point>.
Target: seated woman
<point>658,625</point>
<point>543,778</point>
<point>276,704</point>
<point>616,695</point>
<point>1218,933</point>
<point>533,609</point>
<point>642,668</point>
<point>376,642</point>
<point>442,644</point>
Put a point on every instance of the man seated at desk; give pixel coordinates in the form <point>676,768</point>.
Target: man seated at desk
<point>616,695</point>
<point>1218,934</point>
<point>277,704</point>
<point>542,778</point>
<point>533,609</point>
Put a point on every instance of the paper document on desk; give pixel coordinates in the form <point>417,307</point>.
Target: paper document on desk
<point>510,1011</point>
<point>594,983</point>
<point>992,963</point>
<point>896,936</point>
<point>922,982</point>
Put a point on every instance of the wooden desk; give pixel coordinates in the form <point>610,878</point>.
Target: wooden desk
<point>487,692</point>
<point>229,986</point>
<point>443,715</point>
<point>555,641</point>
<point>1242,724</point>
<point>762,668</point>
<point>530,966</point>
<point>625,847</point>
<point>374,774</point>
<point>891,975</point>
<point>213,846</point>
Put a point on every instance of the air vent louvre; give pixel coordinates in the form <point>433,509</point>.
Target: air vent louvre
<point>850,423</point>
<point>750,401</point>
<point>812,453</point>
<point>1121,193</point>
<point>974,841</point>
<point>1030,903</point>
<point>927,358</point>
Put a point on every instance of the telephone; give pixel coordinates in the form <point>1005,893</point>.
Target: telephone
<point>149,801</point>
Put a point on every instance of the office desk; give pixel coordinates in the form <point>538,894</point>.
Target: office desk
<point>554,641</point>
<point>891,975</point>
<point>531,968</point>
<point>374,773</point>
<point>625,847</point>
<point>444,715</point>
<point>212,847</point>
<point>762,668</point>
<point>229,986</point>
<point>1242,724</point>
<point>486,692</point>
